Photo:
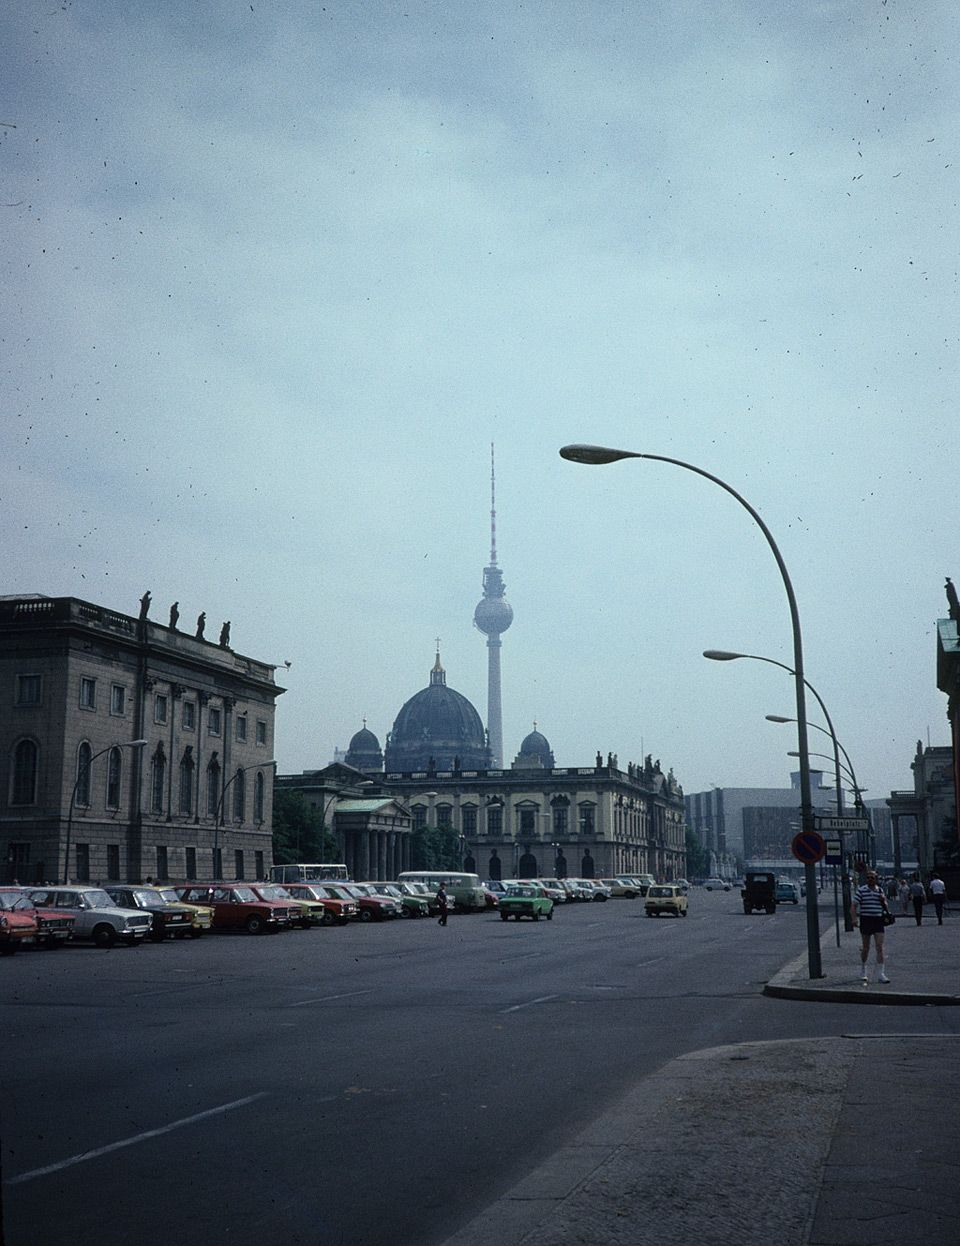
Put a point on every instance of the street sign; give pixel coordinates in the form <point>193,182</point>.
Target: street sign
<point>826,824</point>
<point>834,852</point>
<point>808,847</point>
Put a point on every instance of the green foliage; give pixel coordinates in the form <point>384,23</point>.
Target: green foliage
<point>435,848</point>
<point>296,830</point>
<point>698,858</point>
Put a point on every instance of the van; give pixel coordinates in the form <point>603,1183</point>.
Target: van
<point>465,890</point>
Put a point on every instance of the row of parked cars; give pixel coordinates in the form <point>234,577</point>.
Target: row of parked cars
<point>127,913</point>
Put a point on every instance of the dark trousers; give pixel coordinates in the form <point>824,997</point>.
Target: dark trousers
<point>938,905</point>
<point>442,919</point>
<point>918,908</point>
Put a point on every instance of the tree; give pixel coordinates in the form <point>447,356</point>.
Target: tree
<point>296,830</point>
<point>698,858</point>
<point>434,848</point>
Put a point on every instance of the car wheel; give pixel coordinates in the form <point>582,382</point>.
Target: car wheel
<point>182,934</point>
<point>53,942</point>
<point>771,908</point>
<point>683,912</point>
<point>504,917</point>
<point>255,924</point>
<point>366,915</point>
<point>196,932</point>
<point>550,916</point>
<point>104,936</point>
<point>329,919</point>
<point>405,912</point>
<point>157,936</point>
<point>536,917</point>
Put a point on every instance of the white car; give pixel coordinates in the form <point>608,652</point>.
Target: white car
<point>716,884</point>
<point>96,915</point>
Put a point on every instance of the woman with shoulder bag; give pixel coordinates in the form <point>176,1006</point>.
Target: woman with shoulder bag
<point>871,913</point>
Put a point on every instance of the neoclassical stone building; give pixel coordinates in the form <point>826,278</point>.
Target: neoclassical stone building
<point>130,748</point>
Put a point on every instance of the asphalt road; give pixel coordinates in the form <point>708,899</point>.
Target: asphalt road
<point>364,1085</point>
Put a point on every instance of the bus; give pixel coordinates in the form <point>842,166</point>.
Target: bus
<point>306,873</point>
<point>465,890</point>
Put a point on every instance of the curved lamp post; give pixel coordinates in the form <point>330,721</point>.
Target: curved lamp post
<point>218,822</point>
<point>81,775</point>
<point>864,849</point>
<point>604,454</point>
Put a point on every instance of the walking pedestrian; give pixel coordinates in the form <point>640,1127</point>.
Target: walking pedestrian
<point>870,907</point>
<point>904,893</point>
<point>918,896</point>
<point>442,904</point>
<point>938,891</point>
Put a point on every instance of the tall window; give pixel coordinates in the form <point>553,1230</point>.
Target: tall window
<point>163,869</point>
<point>258,863</point>
<point>528,821</point>
<point>239,797</point>
<point>160,708</point>
<point>560,819</point>
<point>241,726</point>
<point>587,823</point>
<point>189,715</point>
<point>214,719</point>
<point>158,768</point>
<point>190,862</point>
<point>186,784</point>
<point>258,786</point>
<point>113,862</point>
<point>114,768</point>
<point>494,820</point>
<point>29,689</point>
<point>24,786</point>
<point>83,863</point>
<point>469,819</point>
<point>88,693</point>
<point>444,817</point>
<point>419,817</point>
<point>118,699</point>
<point>84,758</point>
<point>261,732</point>
<point>238,863</point>
<point>213,788</point>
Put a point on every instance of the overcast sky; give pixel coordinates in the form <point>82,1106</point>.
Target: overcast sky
<point>275,275</point>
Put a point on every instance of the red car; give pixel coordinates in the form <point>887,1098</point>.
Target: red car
<point>54,927</point>
<point>16,926</point>
<point>372,908</point>
<point>337,912</point>
<point>237,906</point>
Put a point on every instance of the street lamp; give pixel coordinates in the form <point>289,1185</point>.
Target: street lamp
<point>218,820</point>
<point>82,773</point>
<point>604,454</point>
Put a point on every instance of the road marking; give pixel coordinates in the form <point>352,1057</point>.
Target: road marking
<point>643,963</point>
<point>323,999</point>
<point>543,999</point>
<point>144,1137</point>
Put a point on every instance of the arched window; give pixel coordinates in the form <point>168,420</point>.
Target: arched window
<point>258,798</point>
<point>213,787</point>
<point>84,758</point>
<point>24,785</point>
<point>239,797</point>
<point>114,771</point>
<point>158,770</point>
<point>186,781</point>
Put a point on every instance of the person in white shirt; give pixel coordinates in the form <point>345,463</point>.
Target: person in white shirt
<point>938,891</point>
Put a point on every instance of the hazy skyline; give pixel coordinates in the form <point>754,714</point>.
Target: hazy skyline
<point>276,276</point>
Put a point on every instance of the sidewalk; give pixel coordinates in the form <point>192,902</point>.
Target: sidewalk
<point>786,1143</point>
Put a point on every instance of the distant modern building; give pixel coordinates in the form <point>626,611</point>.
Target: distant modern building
<point>80,686</point>
<point>752,825</point>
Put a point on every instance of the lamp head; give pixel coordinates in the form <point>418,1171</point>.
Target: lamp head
<point>137,744</point>
<point>721,655</point>
<point>595,454</point>
<point>778,718</point>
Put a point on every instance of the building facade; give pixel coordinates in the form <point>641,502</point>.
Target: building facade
<point>130,748</point>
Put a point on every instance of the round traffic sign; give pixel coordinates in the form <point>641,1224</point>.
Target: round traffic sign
<point>808,847</point>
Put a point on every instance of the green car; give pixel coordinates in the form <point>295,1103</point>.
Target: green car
<point>414,905</point>
<point>525,900</point>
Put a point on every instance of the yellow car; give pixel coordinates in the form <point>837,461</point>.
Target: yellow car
<point>202,913</point>
<point>665,898</point>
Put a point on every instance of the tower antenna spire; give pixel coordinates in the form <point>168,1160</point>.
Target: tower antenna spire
<point>493,510</point>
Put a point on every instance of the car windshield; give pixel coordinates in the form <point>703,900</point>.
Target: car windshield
<point>11,900</point>
<point>339,893</point>
<point>660,891</point>
<point>237,895</point>
<point>97,899</point>
<point>274,893</point>
<point>144,899</point>
<point>168,895</point>
<point>521,891</point>
<point>308,893</point>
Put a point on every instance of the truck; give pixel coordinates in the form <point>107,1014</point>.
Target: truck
<point>759,891</point>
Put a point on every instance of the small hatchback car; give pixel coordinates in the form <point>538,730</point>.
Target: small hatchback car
<point>665,898</point>
<point>525,900</point>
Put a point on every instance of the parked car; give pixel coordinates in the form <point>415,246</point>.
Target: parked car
<point>236,906</point>
<point>17,926</point>
<point>201,915</point>
<point>716,884</point>
<point>596,889</point>
<point>336,910</point>
<point>525,900</point>
<point>54,928</point>
<point>411,904</point>
<point>643,881</point>
<point>309,912</point>
<point>664,898</point>
<point>577,889</point>
<point>787,891</point>
<point>169,919</point>
<point>625,888</point>
<point>555,890</point>
<point>373,908</point>
<point>96,915</point>
<point>682,884</point>
<point>759,891</point>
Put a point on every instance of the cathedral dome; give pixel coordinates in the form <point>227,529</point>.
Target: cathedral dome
<point>439,727</point>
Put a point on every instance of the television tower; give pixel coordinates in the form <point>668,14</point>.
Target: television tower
<point>493,616</point>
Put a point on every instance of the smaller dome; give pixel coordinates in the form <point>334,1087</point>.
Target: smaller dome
<point>535,749</point>
<point>364,741</point>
